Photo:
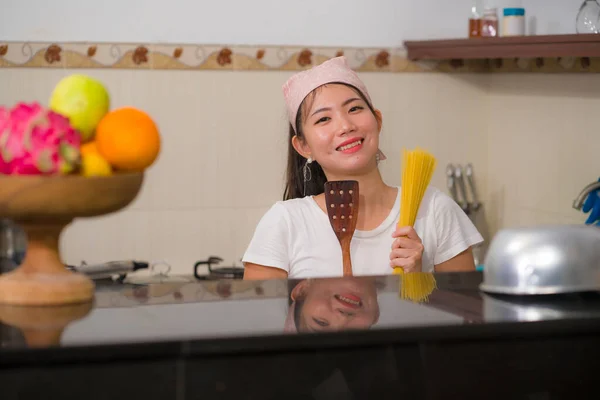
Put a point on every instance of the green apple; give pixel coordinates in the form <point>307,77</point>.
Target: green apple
<point>83,100</point>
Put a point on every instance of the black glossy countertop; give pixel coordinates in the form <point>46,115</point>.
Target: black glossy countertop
<point>189,316</point>
<point>357,339</point>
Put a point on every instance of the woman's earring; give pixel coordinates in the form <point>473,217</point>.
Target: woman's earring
<point>306,172</point>
<point>379,156</point>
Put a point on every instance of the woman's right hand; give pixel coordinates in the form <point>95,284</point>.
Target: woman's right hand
<point>407,250</point>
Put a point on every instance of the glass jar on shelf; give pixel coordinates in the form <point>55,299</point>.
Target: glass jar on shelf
<point>513,22</point>
<point>587,17</point>
<point>489,22</point>
<point>474,23</point>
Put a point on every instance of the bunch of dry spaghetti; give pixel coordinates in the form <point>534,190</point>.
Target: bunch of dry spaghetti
<point>417,169</point>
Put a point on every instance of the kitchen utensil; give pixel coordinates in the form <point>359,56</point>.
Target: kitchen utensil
<point>451,182</point>
<point>471,181</point>
<point>583,196</point>
<point>460,182</point>
<point>474,210</point>
<point>588,201</point>
<point>218,273</point>
<point>543,260</point>
<point>43,206</point>
<point>341,200</point>
<point>109,269</point>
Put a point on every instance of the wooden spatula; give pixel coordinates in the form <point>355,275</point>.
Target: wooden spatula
<point>341,199</point>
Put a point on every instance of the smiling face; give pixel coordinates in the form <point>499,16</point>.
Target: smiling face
<point>340,131</point>
<point>336,304</point>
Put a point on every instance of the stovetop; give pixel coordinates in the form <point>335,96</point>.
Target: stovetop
<point>117,272</point>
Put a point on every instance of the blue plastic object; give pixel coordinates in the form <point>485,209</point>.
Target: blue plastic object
<point>592,205</point>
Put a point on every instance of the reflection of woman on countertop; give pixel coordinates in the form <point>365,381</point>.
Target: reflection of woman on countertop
<point>332,304</point>
<point>334,135</point>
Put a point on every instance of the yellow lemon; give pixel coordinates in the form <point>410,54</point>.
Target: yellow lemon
<point>92,164</point>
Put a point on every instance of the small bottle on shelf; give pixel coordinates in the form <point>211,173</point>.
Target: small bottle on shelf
<point>489,23</point>
<point>513,23</point>
<point>474,23</point>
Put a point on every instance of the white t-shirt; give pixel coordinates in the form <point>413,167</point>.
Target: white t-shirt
<point>296,236</point>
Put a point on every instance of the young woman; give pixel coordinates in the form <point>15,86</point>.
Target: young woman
<point>334,135</point>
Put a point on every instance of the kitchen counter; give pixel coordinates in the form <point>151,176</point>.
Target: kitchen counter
<point>342,338</point>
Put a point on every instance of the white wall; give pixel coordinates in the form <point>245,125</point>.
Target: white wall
<point>377,23</point>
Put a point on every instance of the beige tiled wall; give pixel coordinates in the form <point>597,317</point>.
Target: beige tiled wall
<point>223,156</point>
<point>543,146</point>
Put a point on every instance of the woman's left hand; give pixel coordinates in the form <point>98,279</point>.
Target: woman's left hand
<point>407,250</point>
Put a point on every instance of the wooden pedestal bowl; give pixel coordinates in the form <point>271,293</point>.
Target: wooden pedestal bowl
<point>43,206</point>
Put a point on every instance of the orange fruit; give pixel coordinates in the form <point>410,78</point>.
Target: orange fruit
<point>128,139</point>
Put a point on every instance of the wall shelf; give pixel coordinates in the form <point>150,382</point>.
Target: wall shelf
<point>573,45</point>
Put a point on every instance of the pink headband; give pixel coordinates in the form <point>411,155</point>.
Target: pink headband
<point>302,83</point>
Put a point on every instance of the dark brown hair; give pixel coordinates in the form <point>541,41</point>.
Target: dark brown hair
<point>295,185</point>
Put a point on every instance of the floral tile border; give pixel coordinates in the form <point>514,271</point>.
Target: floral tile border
<point>265,58</point>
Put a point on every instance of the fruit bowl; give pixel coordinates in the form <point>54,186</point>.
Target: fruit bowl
<point>43,206</point>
